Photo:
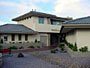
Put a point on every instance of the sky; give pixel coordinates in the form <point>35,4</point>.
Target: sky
<point>10,9</point>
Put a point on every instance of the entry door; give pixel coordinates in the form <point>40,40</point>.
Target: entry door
<point>43,39</point>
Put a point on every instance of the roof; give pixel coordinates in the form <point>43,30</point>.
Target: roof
<point>38,14</point>
<point>16,28</point>
<point>84,20</point>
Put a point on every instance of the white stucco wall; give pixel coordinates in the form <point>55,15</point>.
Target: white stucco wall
<point>31,38</point>
<point>71,37</point>
<point>83,38</point>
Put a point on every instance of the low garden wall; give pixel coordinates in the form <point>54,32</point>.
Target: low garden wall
<point>24,45</point>
<point>77,53</point>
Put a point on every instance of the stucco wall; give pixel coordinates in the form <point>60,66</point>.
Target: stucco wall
<point>83,38</point>
<point>46,27</point>
<point>71,37</point>
<point>31,38</point>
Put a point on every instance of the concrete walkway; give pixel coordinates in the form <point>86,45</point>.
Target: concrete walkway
<point>28,61</point>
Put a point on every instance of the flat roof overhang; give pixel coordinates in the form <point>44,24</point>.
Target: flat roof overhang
<point>68,27</point>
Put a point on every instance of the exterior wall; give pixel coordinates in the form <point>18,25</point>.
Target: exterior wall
<point>44,38</point>
<point>71,37</point>
<point>31,38</point>
<point>46,27</point>
<point>83,38</point>
<point>30,22</point>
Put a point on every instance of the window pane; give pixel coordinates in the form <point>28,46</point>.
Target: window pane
<point>5,38</point>
<point>13,37</point>
<point>26,37</point>
<point>19,37</point>
<point>41,20</point>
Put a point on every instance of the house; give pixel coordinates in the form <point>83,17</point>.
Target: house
<point>12,33</point>
<point>46,25</point>
<point>78,31</point>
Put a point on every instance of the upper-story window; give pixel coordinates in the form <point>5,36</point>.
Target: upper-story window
<point>55,22</point>
<point>41,20</point>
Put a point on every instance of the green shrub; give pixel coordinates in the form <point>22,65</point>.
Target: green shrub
<point>61,46</point>
<point>53,51</point>
<point>38,46</point>
<point>13,47</point>
<point>31,47</point>
<point>75,47</point>
<point>83,49</point>
<point>1,47</point>
<point>21,47</point>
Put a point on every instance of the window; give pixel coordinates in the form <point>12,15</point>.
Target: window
<point>13,37</point>
<point>5,38</point>
<point>55,23</point>
<point>41,20</point>
<point>19,37</point>
<point>26,37</point>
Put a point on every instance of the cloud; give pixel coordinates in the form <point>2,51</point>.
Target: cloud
<point>72,8</point>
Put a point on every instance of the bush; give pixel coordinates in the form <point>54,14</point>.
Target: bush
<point>75,47</point>
<point>1,47</point>
<point>83,49</point>
<point>13,47</point>
<point>61,46</point>
<point>38,46</point>
<point>53,51</point>
<point>21,47</point>
<point>31,47</point>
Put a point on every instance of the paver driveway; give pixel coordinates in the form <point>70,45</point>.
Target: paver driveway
<point>28,61</point>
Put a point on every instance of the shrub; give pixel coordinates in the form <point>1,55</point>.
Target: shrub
<point>75,47</point>
<point>53,51</point>
<point>38,46</point>
<point>61,46</point>
<point>1,47</point>
<point>21,47</point>
<point>31,47</point>
<point>36,41</point>
<point>83,49</point>
<point>13,47</point>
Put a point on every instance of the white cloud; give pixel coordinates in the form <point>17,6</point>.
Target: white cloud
<point>72,8</point>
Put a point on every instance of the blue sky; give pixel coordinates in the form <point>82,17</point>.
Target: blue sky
<point>64,8</point>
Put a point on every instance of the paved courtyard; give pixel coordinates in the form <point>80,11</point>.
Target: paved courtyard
<point>45,59</point>
<point>28,61</point>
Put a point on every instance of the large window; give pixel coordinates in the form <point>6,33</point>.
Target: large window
<point>26,37</point>
<point>41,20</point>
<point>13,37</point>
<point>6,38</point>
<point>55,22</point>
<point>19,37</point>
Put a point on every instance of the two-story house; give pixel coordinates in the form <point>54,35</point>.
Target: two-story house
<point>46,25</point>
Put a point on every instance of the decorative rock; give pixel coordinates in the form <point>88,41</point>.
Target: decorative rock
<point>20,55</point>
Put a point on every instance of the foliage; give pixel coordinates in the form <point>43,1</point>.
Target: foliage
<point>31,47</point>
<point>1,41</point>
<point>21,47</point>
<point>1,47</point>
<point>75,47</point>
<point>61,46</point>
<point>13,47</point>
<point>83,49</point>
<point>53,51</point>
<point>36,41</point>
<point>38,46</point>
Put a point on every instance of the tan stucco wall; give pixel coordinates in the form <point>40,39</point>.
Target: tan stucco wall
<point>46,27</point>
<point>83,38</point>
<point>31,38</point>
<point>30,22</point>
<point>71,37</point>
